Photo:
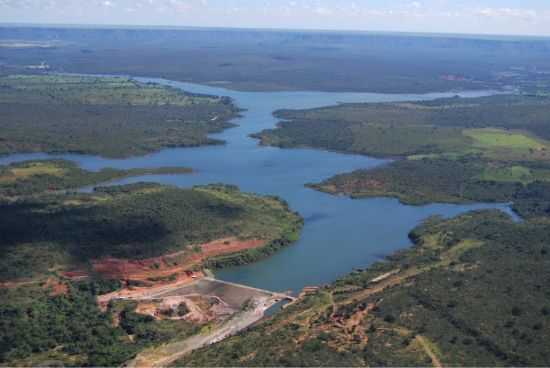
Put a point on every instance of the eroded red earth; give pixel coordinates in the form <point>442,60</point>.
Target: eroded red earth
<point>170,265</point>
<point>146,277</point>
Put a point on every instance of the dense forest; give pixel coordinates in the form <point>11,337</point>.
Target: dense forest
<point>260,60</point>
<point>454,150</point>
<point>40,327</point>
<point>113,117</point>
<point>428,180</point>
<point>449,125</point>
<point>62,230</point>
<point>471,292</point>
<point>47,316</point>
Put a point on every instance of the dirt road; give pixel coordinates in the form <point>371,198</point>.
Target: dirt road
<point>428,349</point>
<point>167,354</point>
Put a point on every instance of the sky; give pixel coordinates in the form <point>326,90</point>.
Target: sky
<point>512,17</point>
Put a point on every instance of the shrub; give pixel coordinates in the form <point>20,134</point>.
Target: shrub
<point>516,311</point>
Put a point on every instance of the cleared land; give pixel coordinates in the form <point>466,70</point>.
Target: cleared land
<point>75,267</point>
<point>113,117</point>
<point>248,308</point>
<point>441,303</point>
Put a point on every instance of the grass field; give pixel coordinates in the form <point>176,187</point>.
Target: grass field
<point>504,128</point>
<point>502,145</point>
<point>489,138</point>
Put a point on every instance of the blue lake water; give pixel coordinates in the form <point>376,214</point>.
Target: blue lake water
<point>339,233</point>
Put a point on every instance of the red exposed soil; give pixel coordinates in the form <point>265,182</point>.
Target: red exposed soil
<point>155,269</point>
<point>164,268</point>
<point>227,246</point>
<point>136,293</point>
<point>148,276</point>
<point>56,286</point>
<point>136,270</point>
<point>75,275</point>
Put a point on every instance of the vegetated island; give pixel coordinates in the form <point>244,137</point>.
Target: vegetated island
<point>77,270</point>
<point>470,292</point>
<point>108,116</point>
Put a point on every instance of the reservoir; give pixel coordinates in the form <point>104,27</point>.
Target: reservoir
<point>340,234</point>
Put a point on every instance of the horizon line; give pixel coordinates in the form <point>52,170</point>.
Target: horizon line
<point>271,29</point>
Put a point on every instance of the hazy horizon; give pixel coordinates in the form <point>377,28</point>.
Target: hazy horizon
<point>272,29</point>
<point>468,17</point>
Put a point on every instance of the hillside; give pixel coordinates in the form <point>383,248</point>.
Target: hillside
<point>134,221</point>
<point>469,293</point>
<point>61,250</point>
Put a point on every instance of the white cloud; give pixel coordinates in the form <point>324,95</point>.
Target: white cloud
<point>509,16</point>
<point>525,14</point>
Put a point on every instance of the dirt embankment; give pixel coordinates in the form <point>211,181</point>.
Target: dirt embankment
<point>170,265</point>
<point>153,270</point>
<point>170,268</point>
<point>143,278</point>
